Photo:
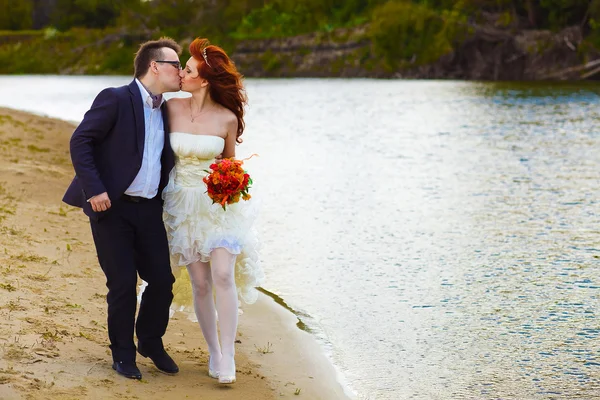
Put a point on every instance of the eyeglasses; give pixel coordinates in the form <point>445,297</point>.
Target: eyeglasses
<point>176,64</point>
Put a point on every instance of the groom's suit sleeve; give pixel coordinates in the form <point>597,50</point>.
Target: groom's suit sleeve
<point>96,124</point>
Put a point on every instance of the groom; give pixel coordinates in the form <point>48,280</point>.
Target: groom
<point>122,159</point>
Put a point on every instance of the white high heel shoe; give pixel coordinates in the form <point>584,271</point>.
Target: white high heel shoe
<point>213,373</point>
<point>227,377</point>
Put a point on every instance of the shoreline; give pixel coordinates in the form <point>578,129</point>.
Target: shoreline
<point>314,373</point>
<point>54,343</point>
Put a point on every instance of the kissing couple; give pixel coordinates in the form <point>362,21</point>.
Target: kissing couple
<point>139,165</point>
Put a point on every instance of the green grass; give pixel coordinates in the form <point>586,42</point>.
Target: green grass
<point>268,348</point>
<point>8,286</point>
<point>22,33</point>
<point>34,149</point>
<point>29,258</point>
<point>79,51</point>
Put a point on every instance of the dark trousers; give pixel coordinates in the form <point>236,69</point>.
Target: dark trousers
<point>131,239</point>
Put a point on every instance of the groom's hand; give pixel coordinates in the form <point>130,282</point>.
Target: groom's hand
<point>100,202</point>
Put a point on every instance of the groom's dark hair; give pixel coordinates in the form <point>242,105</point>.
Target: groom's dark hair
<point>150,51</point>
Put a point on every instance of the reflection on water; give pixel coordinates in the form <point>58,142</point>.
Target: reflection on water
<point>301,316</point>
<point>442,239</point>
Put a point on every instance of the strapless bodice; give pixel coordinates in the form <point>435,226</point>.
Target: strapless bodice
<point>202,147</point>
<point>193,155</point>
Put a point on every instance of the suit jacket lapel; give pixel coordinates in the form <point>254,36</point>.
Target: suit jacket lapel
<point>138,111</point>
<point>165,117</point>
<point>168,156</point>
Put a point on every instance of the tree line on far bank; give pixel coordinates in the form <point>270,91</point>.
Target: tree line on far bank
<point>420,30</point>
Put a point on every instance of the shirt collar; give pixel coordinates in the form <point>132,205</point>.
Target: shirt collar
<point>146,97</point>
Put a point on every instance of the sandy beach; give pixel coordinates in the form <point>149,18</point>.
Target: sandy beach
<point>53,340</point>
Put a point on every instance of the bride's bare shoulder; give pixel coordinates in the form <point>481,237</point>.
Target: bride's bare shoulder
<point>226,114</point>
<point>176,102</point>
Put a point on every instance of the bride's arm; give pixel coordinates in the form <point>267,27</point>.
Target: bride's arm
<point>230,140</point>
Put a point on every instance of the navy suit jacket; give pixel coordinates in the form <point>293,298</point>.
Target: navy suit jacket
<point>108,145</point>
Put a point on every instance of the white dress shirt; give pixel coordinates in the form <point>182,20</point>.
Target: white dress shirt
<point>147,180</point>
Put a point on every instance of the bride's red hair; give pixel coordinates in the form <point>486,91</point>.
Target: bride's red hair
<point>224,81</point>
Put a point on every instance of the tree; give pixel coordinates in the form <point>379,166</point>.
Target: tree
<point>532,13</point>
<point>88,13</point>
<point>42,13</point>
<point>16,14</point>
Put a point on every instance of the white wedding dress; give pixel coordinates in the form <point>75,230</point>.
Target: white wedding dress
<point>195,226</point>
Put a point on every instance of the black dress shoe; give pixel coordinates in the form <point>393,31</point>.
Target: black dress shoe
<point>161,360</point>
<point>127,369</point>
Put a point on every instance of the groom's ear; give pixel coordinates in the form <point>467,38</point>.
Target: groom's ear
<point>154,67</point>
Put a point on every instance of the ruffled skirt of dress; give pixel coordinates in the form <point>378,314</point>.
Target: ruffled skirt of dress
<point>195,227</point>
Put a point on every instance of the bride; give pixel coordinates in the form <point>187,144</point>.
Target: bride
<point>217,247</point>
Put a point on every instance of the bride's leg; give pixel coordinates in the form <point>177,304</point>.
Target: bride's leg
<point>223,274</point>
<point>204,305</point>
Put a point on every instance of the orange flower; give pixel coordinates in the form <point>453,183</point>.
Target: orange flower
<point>227,181</point>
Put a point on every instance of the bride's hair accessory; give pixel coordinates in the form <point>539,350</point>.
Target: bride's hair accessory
<point>205,58</point>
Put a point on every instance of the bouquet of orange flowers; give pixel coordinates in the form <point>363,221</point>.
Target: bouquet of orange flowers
<point>227,182</point>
